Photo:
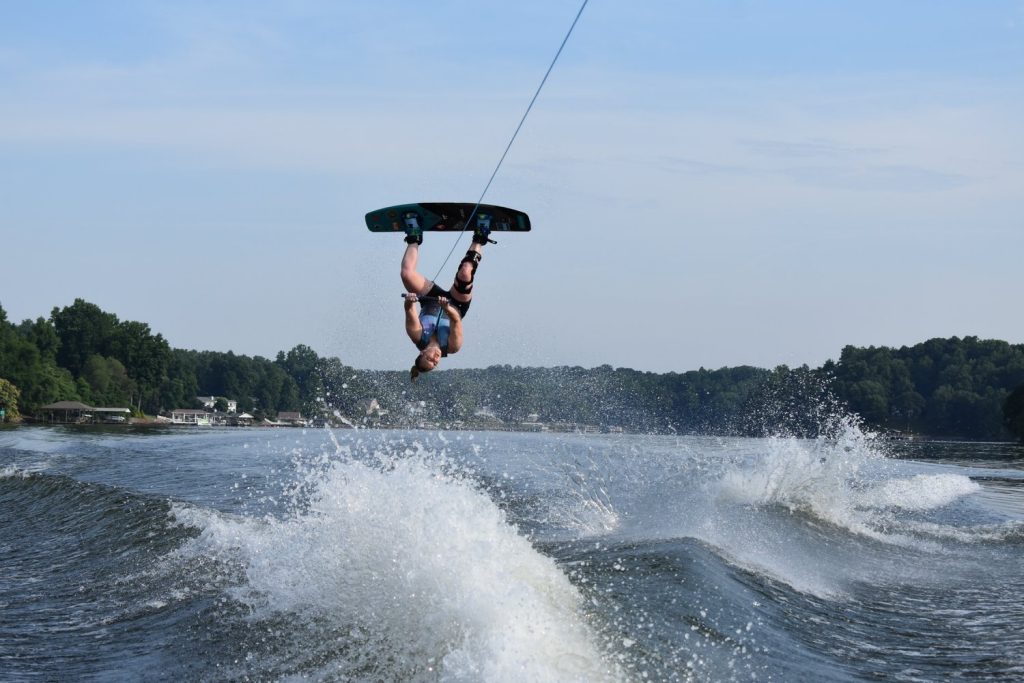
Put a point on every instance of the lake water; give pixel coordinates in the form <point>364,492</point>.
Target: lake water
<point>395,556</point>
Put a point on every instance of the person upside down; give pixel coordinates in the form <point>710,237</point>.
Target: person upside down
<point>436,329</point>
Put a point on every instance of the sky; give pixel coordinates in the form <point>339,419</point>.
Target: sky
<point>710,183</point>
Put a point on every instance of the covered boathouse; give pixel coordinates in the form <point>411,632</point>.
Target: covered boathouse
<point>74,412</point>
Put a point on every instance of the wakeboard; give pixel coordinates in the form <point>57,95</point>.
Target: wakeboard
<point>446,216</point>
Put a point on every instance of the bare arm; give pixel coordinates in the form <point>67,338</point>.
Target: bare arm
<point>413,328</point>
<point>455,328</point>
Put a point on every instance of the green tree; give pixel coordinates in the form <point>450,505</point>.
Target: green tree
<point>146,358</point>
<point>43,335</point>
<point>9,395</point>
<point>109,383</point>
<point>256,382</point>
<point>246,404</point>
<point>949,387</point>
<point>84,331</point>
<point>1013,412</point>
<point>179,387</point>
<point>36,375</point>
<point>303,366</point>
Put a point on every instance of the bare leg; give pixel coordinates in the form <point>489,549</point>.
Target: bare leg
<point>411,278</point>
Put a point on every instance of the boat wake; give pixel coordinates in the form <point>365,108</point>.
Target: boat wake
<point>416,568</point>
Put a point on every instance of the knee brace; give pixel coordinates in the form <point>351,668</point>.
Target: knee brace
<point>473,259</point>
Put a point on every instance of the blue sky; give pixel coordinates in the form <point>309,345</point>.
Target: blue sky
<point>710,183</point>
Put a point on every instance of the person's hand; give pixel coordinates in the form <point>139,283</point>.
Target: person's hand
<point>411,298</point>
<point>450,309</point>
<point>443,301</point>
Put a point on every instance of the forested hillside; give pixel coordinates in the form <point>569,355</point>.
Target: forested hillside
<point>942,387</point>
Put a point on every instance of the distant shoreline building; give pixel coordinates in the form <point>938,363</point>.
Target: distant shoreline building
<point>210,402</point>
<point>190,416</point>
<point>76,412</point>
<point>291,419</point>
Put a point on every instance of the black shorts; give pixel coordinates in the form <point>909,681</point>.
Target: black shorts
<point>461,306</point>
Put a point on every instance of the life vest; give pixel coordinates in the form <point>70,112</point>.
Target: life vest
<point>434,319</point>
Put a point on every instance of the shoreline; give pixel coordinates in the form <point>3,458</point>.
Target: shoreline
<point>144,425</point>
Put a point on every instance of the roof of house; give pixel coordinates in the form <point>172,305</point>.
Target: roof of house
<point>289,415</point>
<point>67,405</point>
<point>370,406</point>
<point>189,411</point>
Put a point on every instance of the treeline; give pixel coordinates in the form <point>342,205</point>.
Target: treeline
<point>943,387</point>
<point>959,388</point>
<point>700,401</point>
<point>83,353</point>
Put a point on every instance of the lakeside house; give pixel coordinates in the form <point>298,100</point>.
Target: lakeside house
<point>208,402</point>
<point>76,412</point>
<point>206,418</point>
<point>291,419</point>
<point>190,416</point>
<point>532,423</point>
<point>371,410</point>
<point>112,415</point>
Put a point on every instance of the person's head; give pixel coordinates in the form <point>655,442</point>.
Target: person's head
<point>425,362</point>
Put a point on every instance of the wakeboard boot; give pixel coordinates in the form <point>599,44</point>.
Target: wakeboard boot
<point>482,231</point>
<point>413,230</point>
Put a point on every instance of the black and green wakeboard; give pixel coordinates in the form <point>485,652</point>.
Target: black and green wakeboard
<point>446,216</point>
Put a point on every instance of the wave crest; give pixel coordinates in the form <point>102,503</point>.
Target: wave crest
<point>845,482</point>
<point>421,567</point>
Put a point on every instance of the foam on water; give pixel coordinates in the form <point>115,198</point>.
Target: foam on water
<point>25,469</point>
<point>31,440</point>
<point>855,511</point>
<point>414,562</point>
<point>12,471</point>
<point>920,492</point>
<point>846,482</point>
<point>582,508</point>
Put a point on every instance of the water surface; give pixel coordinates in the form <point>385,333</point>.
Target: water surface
<point>385,555</point>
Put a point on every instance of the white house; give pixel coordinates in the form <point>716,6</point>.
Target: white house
<point>188,416</point>
<point>210,401</point>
